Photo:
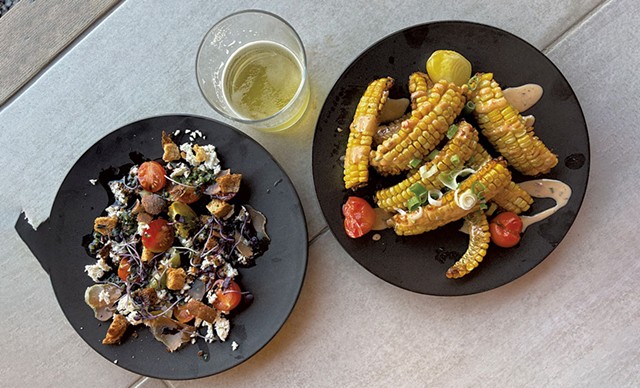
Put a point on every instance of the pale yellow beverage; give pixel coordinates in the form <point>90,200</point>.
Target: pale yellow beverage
<point>260,79</point>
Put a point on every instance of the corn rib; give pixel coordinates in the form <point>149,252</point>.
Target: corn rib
<point>479,238</point>
<point>492,177</point>
<point>452,156</point>
<point>361,131</point>
<point>505,128</point>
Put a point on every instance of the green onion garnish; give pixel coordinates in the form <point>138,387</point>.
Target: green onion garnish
<point>433,154</point>
<point>413,203</point>
<point>469,107</point>
<point>483,206</point>
<point>473,83</point>
<point>455,159</point>
<point>418,190</point>
<point>452,131</point>
<point>475,191</point>
<point>415,163</point>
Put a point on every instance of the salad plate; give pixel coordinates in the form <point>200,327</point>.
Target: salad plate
<point>418,263</point>
<point>275,281</point>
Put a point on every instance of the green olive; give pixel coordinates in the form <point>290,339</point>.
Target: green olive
<point>184,217</point>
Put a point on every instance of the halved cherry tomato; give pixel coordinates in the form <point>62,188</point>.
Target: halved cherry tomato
<point>158,237</point>
<point>151,176</point>
<point>359,217</point>
<point>227,298</point>
<point>182,314</point>
<point>505,229</point>
<point>124,269</point>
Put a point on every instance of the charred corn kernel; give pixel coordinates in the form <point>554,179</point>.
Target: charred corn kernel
<point>419,85</point>
<point>394,155</point>
<point>513,198</point>
<point>479,238</point>
<point>452,156</point>
<point>362,129</point>
<point>385,131</point>
<point>480,156</point>
<point>507,131</point>
<point>492,177</point>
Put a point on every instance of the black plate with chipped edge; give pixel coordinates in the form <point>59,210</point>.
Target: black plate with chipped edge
<point>275,280</point>
<point>419,263</point>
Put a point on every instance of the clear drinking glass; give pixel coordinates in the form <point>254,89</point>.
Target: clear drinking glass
<point>252,68</point>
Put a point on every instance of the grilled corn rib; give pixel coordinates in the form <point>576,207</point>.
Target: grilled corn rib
<point>479,238</point>
<point>364,125</point>
<point>505,128</point>
<point>453,155</point>
<point>512,198</point>
<point>418,141</point>
<point>385,131</point>
<point>492,177</point>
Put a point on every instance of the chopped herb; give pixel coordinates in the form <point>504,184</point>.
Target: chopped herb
<point>483,206</point>
<point>473,83</point>
<point>469,107</point>
<point>452,131</point>
<point>418,189</point>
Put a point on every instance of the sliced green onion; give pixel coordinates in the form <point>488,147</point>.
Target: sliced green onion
<point>455,159</point>
<point>469,107</point>
<point>483,206</point>
<point>426,174</point>
<point>452,131</point>
<point>418,189</point>
<point>413,203</point>
<point>433,154</point>
<point>478,192</point>
<point>448,180</point>
<point>492,209</point>
<point>435,197</point>
<point>473,83</point>
<point>415,163</point>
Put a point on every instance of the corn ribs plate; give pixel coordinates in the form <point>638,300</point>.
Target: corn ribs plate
<point>424,250</point>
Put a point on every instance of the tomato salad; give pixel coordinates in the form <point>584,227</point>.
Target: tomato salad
<point>168,248</point>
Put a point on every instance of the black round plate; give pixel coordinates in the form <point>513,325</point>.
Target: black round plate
<point>275,280</point>
<point>419,263</point>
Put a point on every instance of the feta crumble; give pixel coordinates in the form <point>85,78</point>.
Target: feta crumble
<point>180,170</point>
<point>229,271</point>
<point>222,327</point>
<point>234,346</point>
<point>209,337</point>
<point>127,309</point>
<point>119,191</point>
<point>97,270</point>
<point>93,181</point>
<point>104,296</point>
<point>211,297</point>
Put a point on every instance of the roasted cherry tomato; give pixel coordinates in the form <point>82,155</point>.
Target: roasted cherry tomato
<point>182,314</point>
<point>226,298</point>
<point>359,217</point>
<point>505,229</point>
<point>158,236</point>
<point>151,176</point>
<point>124,269</point>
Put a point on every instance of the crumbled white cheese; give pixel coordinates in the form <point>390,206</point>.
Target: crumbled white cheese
<point>189,156</point>
<point>162,294</point>
<point>234,346</point>
<point>117,248</point>
<point>97,270</point>
<point>211,296</point>
<point>176,132</point>
<point>186,242</point>
<point>93,181</point>
<point>114,210</point>
<point>104,296</point>
<point>180,170</point>
<point>206,263</point>
<point>229,271</point>
<point>118,189</point>
<point>209,337</point>
<point>141,228</point>
<point>222,327</point>
<point>211,162</point>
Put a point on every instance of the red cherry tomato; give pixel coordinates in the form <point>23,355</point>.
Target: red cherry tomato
<point>124,269</point>
<point>359,217</point>
<point>228,298</point>
<point>151,176</point>
<point>158,237</point>
<point>505,229</point>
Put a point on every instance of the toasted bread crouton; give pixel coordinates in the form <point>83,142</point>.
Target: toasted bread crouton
<point>149,296</point>
<point>116,330</point>
<point>201,310</point>
<point>219,208</point>
<point>176,278</point>
<point>171,150</point>
<point>104,225</point>
<point>146,255</point>
<point>201,154</point>
<point>230,183</point>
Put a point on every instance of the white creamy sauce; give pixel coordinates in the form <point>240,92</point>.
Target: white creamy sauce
<point>381,219</point>
<point>545,188</point>
<point>523,97</point>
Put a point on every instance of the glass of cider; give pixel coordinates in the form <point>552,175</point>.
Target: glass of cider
<point>252,68</point>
